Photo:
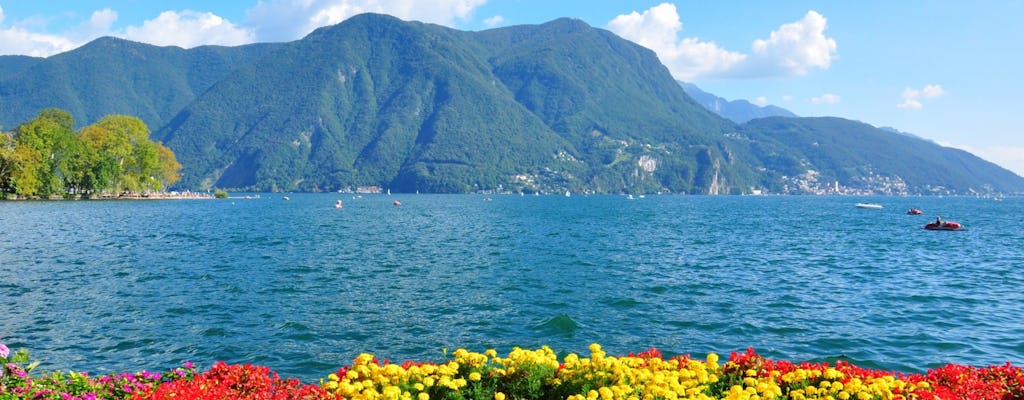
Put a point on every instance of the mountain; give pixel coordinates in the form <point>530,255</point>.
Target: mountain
<point>115,76</point>
<point>738,111</point>
<point>420,107</point>
<point>377,101</point>
<point>861,156</point>
<point>12,65</point>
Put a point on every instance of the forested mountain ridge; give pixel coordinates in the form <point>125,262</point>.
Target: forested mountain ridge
<point>115,76</point>
<point>412,106</point>
<point>376,101</point>
<point>10,65</point>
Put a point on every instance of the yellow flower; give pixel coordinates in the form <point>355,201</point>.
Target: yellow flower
<point>499,396</point>
<point>712,361</point>
<point>423,396</point>
<point>474,376</point>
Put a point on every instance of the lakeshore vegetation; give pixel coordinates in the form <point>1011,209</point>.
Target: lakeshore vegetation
<point>46,158</point>
<point>525,374</point>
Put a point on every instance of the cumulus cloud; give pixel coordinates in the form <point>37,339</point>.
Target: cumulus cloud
<point>494,21</point>
<point>793,49</point>
<point>658,29</point>
<point>188,29</point>
<point>761,101</point>
<point>912,97</point>
<point>178,28</point>
<point>19,40</point>
<point>284,20</point>
<point>827,98</point>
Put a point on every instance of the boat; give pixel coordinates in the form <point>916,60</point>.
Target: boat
<point>874,206</point>
<point>944,226</point>
<point>914,211</point>
<point>338,204</point>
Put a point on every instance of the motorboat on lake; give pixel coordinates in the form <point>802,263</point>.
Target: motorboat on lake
<point>943,226</point>
<point>914,211</point>
<point>873,206</point>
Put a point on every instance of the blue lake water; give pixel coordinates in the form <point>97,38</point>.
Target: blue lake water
<point>302,287</point>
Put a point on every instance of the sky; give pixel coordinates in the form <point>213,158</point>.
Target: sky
<point>947,71</point>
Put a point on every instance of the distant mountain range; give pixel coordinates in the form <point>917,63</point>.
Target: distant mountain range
<point>738,111</point>
<point>408,106</point>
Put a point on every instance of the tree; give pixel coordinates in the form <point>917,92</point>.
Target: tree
<point>48,152</point>
<point>169,169</point>
<point>8,163</point>
<point>45,157</point>
<point>126,159</point>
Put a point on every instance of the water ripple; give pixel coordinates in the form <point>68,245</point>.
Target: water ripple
<point>304,288</point>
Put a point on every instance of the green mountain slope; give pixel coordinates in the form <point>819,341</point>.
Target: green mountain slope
<point>12,65</point>
<point>376,101</point>
<point>379,101</point>
<point>115,76</point>
<point>858,155</point>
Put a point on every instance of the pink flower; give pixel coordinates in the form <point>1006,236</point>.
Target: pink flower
<point>4,351</point>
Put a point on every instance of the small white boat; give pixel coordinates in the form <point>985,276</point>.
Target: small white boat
<point>874,206</point>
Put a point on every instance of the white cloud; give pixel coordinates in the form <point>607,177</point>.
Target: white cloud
<point>494,21</point>
<point>18,40</point>
<point>188,29</point>
<point>179,28</point>
<point>1009,157</point>
<point>761,101</point>
<point>912,97</point>
<point>284,20</point>
<point>658,29</point>
<point>793,49</point>
<point>827,98</point>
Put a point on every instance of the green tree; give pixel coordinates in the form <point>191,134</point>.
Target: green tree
<point>48,152</point>
<point>126,159</point>
<point>102,168</point>
<point>8,163</point>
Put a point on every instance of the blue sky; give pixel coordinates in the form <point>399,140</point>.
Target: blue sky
<point>949,71</point>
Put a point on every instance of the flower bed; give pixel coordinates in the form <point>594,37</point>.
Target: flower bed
<point>528,374</point>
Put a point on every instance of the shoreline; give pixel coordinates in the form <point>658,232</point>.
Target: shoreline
<point>187,195</point>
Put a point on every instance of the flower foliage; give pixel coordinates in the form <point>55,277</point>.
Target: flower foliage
<point>18,382</point>
<point>538,374</point>
<point>234,381</point>
<point>527,374</point>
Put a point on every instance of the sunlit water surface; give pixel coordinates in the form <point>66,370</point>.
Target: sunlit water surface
<point>302,287</point>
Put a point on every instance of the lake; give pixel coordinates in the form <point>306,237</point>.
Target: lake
<point>303,287</point>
